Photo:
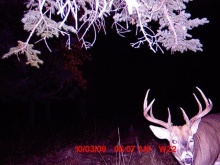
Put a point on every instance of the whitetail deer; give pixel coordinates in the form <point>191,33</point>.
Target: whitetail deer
<point>198,141</point>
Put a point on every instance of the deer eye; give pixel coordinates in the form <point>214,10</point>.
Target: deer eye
<point>191,140</point>
<point>174,141</point>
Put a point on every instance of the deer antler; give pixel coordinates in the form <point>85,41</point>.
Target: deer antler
<point>201,112</point>
<point>151,117</point>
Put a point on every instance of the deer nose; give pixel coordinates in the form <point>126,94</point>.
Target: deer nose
<point>188,160</point>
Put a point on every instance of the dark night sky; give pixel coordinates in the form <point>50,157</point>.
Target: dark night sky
<point>119,77</point>
<point>122,75</point>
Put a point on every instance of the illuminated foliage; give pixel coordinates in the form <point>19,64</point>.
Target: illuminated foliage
<point>52,18</point>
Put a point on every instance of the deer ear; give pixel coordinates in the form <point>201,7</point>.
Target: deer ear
<point>195,126</point>
<point>160,132</point>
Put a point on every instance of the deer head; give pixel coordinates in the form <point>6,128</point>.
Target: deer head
<point>182,137</point>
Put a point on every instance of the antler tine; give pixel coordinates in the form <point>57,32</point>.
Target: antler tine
<point>185,116</point>
<point>169,117</point>
<point>201,112</point>
<point>150,117</point>
<point>151,113</point>
<point>199,104</point>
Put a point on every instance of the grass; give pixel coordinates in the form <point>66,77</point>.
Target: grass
<point>61,150</point>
